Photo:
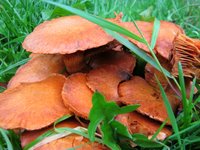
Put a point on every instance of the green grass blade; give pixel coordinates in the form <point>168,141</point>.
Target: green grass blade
<point>101,22</point>
<point>159,129</point>
<point>8,143</point>
<point>156,28</point>
<point>14,66</point>
<point>186,117</point>
<point>170,112</point>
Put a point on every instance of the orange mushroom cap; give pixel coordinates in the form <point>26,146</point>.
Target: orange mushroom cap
<point>138,91</point>
<point>137,123</point>
<point>164,43</point>
<point>37,69</point>
<point>69,141</point>
<point>33,105</point>
<point>65,35</point>
<point>123,60</point>
<point>77,96</point>
<point>106,79</point>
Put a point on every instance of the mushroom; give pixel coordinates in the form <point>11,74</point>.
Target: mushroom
<point>138,123</point>
<point>95,62</point>
<point>106,79</point>
<point>21,106</point>
<point>37,69</point>
<point>76,95</point>
<point>65,35</point>
<point>62,142</point>
<point>138,91</point>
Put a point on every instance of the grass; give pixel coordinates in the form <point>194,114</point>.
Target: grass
<point>19,17</point>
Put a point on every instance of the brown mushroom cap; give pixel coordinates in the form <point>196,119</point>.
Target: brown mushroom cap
<point>37,69</point>
<point>138,91</point>
<point>33,105</point>
<point>69,141</point>
<point>123,60</point>
<point>65,35</point>
<point>76,95</point>
<point>106,79</point>
<point>164,43</point>
<point>137,123</point>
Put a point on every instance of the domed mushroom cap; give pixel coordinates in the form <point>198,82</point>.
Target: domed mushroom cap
<point>65,35</point>
<point>67,142</point>
<point>33,105</point>
<point>138,91</point>
<point>37,69</point>
<point>77,96</point>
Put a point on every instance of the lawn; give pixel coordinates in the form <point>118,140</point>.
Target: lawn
<point>18,18</point>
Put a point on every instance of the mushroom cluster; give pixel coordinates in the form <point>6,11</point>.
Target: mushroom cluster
<point>71,59</point>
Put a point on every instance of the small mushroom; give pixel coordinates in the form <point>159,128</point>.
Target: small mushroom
<point>138,123</point>
<point>106,79</point>
<point>33,105</point>
<point>37,69</point>
<point>77,96</point>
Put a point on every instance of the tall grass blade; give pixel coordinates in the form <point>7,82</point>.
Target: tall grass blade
<point>170,112</point>
<point>101,22</point>
<point>186,117</point>
<point>156,28</point>
<point>19,63</point>
<point>4,135</point>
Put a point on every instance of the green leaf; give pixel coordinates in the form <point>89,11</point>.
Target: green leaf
<point>101,22</point>
<point>120,129</point>
<point>108,137</point>
<point>156,27</point>
<point>103,111</point>
<point>142,141</point>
